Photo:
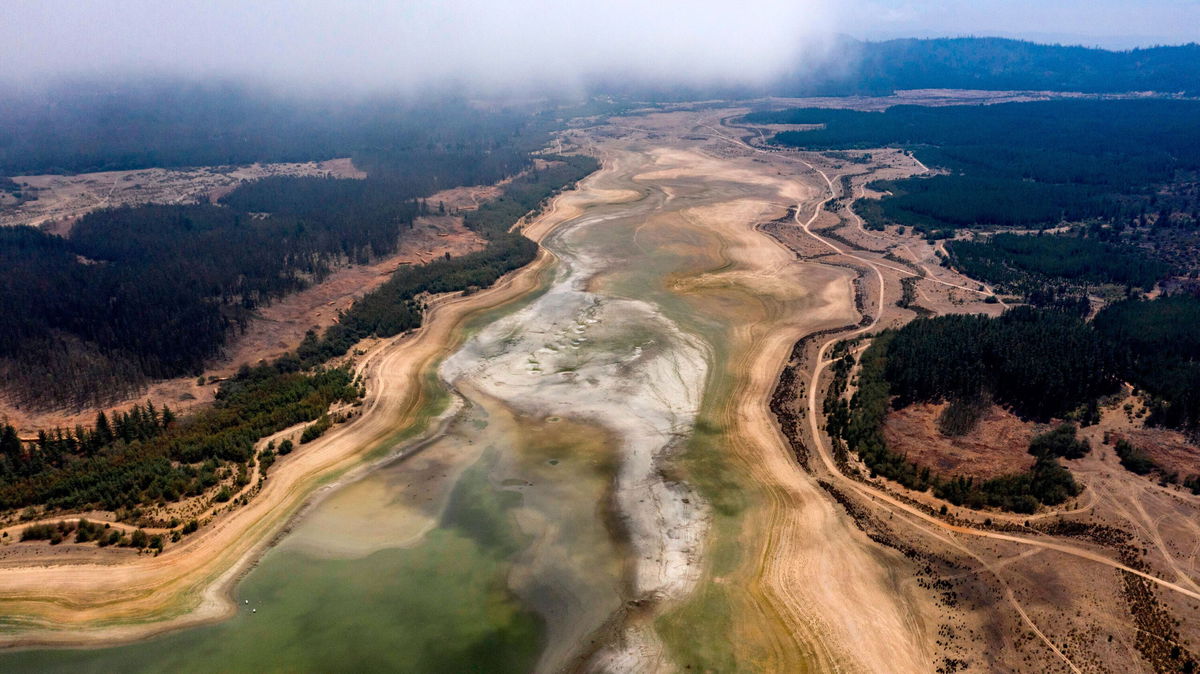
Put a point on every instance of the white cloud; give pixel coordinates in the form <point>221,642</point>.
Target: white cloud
<point>416,41</point>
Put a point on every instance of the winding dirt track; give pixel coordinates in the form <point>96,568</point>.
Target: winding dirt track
<point>814,416</point>
<point>827,458</point>
<point>919,520</point>
<point>922,521</point>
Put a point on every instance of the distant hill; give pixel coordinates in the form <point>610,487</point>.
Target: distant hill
<point>851,67</point>
<point>993,63</point>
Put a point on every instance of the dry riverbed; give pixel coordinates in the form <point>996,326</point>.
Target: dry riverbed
<point>590,442</point>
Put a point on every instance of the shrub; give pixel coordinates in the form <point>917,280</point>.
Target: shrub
<point>1133,459</point>
<point>55,533</point>
<point>139,539</point>
<point>316,429</point>
<point>1060,442</point>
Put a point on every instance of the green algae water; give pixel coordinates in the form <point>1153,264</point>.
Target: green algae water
<point>399,598</point>
<point>440,606</point>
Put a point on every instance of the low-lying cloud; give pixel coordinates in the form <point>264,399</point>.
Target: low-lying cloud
<point>363,44</point>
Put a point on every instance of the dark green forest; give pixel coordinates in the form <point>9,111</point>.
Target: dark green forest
<point>1026,264</point>
<point>1157,346</point>
<point>154,291</point>
<point>1045,363</point>
<point>1017,164</point>
<point>1042,364</point>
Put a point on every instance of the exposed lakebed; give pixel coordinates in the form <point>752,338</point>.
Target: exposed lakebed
<point>529,531</point>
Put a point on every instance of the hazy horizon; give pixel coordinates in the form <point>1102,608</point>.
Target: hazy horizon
<point>526,45</point>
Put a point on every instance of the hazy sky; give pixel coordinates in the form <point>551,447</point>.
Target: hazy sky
<point>1113,24</point>
<point>370,43</point>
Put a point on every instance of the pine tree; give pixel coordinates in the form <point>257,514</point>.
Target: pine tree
<point>103,434</point>
<point>10,445</point>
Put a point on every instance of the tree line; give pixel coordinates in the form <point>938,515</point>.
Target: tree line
<point>395,306</point>
<point>146,456</point>
<point>1157,348</point>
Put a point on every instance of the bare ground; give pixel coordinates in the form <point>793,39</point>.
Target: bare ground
<point>61,199</point>
<point>997,445</point>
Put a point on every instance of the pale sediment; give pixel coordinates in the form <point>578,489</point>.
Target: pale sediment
<point>621,364</point>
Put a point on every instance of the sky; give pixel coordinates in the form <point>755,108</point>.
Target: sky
<point>1110,24</point>
<point>365,44</point>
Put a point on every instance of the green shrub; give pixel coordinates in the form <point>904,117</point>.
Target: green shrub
<point>316,429</point>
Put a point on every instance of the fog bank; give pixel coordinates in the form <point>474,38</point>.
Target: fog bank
<point>366,45</point>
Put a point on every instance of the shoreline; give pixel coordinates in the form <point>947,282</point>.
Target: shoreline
<point>149,596</point>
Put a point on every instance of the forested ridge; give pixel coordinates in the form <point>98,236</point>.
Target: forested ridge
<point>845,66</point>
<point>139,293</point>
<point>80,127</point>
<point>881,68</point>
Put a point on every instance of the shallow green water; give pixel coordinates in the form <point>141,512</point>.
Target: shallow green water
<point>425,565</point>
<point>441,606</point>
